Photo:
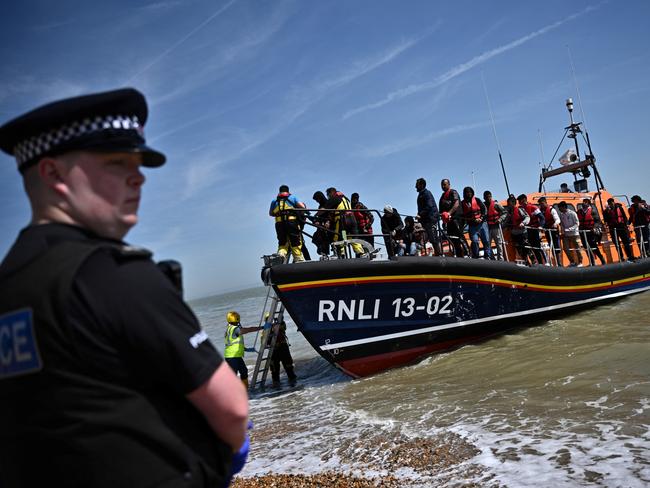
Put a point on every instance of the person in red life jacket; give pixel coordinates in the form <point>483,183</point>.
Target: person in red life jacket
<point>342,220</point>
<point>536,221</point>
<point>640,217</point>
<point>590,230</point>
<point>495,217</point>
<point>392,227</point>
<point>616,221</point>
<point>364,218</point>
<point>474,214</point>
<point>552,225</point>
<point>428,215</point>
<point>452,217</point>
<point>517,220</point>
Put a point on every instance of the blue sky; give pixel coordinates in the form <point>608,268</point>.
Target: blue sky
<point>366,96</point>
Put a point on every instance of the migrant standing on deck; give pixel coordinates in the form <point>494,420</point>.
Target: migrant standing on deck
<point>640,218</point>
<point>288,223</point>
<point>364,218</point>
<point>496,216</point>
<point>110,380</point>
<point>428,214</point>
<point>552,225</point>
<point>392,227</point>
<point>614,217</point>
<point>452,217</point>
<point>536,222</point>
<point>570,225</point>
<point>590,230</point>
<point>474,214</point>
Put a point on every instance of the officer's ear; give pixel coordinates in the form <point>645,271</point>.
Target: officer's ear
<point>51,171</point>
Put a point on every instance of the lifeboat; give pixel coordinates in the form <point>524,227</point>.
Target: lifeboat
<point>368,315</point>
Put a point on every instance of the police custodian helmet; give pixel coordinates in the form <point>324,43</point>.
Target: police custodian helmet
<point>104,122</point>
<point>232,317</point>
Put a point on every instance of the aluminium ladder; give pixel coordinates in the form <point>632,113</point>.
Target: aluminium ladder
<point>263,362</point>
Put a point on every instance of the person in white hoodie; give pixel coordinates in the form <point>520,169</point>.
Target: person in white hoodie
<point>570,237</point>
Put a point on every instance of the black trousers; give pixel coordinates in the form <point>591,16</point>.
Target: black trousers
<point>536,244</point>
<point>282,354</point>
<point>455,229</point>
<point>288,230</point>
<point>621,233</point>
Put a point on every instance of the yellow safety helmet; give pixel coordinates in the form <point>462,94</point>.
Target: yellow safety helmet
<point>233,317</point>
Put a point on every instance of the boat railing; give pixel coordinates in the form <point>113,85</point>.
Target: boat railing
<point>550,250</point>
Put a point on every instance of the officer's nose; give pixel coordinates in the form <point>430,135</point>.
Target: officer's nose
<point>136,179</point>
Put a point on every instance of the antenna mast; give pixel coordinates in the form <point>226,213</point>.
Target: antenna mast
<point>494,130</point>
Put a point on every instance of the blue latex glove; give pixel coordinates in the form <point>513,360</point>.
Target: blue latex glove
<point>250,349</point>
<point>267,325</point>
<point>239,458</point>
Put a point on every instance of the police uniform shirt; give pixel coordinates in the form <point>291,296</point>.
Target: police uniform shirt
<point>138,350</point>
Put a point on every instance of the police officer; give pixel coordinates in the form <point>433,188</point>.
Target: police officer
<point>106,378</point>
<point>235,348</point>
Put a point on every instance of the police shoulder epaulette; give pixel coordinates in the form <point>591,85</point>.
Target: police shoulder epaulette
<point>125,251</point>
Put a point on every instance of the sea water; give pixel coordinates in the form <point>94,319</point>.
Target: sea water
<point>560,403</point>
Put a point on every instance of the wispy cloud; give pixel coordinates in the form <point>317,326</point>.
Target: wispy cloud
<point>180,41</point>
<point>463,67</point>
<point>299,101</point>
<point>411,142</point>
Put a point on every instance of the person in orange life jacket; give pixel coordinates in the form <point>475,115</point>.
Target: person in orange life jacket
<point>428,214</point>
<point>516,221</point>
<point>364,218</point>
<point>393,226</point>
<point>640,217</point>
<point>474,214</point>
<point>614,217</point>
<point>590,230</point>
<point>495,217</point>
<point>552,225</point>
<point>343,220</point>
<point>570,233</point>
<point>106,377</point>
<point>287,223</point>
<point>536,221</point>
<point>281,352</point>
<point>452,217</point>
<point>321,238</point>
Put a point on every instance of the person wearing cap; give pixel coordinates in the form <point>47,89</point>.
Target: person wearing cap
<point>615,218</point>
<point>288,223</point>
<point>392,227</point>
<point>640,218</point>
<point>107,378</point>
<point>234,345</point>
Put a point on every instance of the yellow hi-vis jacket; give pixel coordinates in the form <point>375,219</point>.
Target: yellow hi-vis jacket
<point>234,345</point>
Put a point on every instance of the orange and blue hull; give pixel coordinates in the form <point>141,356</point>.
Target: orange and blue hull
<point>368,316</point>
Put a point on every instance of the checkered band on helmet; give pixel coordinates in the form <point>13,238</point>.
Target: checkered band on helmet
<point>48,141</point>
